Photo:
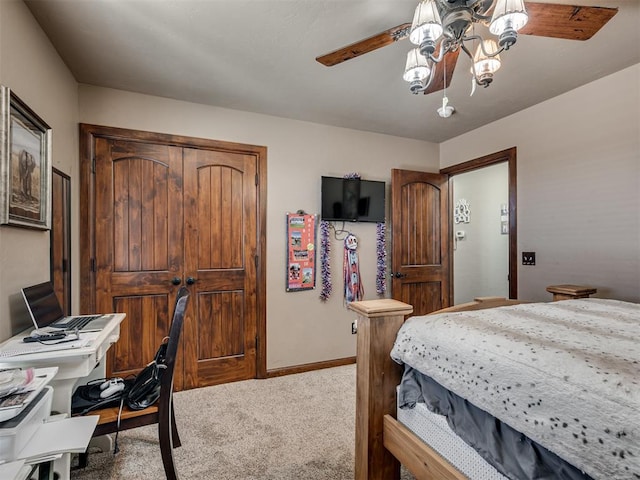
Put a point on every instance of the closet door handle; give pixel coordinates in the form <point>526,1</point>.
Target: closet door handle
<point>400,275</point>
<point>191,280</point>
<point>176,280</point>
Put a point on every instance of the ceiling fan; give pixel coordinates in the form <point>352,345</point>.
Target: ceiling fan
<point>442,28</point>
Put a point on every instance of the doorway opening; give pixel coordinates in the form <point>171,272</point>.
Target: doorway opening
<point>482,200</point>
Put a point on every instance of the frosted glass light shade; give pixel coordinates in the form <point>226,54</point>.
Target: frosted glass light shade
<point>417,67</point>
<point>508,14</point>
<point>426,23</point>
<point>484,64</point>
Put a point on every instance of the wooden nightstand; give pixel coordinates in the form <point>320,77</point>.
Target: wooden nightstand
<point>569,292</point>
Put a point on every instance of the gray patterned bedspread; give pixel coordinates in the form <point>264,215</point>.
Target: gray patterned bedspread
<point>566,374</point>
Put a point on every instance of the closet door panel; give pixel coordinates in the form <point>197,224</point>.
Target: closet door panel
<point>220,194</point>
<point>138,242</point>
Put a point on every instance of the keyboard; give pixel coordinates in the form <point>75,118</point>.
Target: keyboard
<point>77,322</point>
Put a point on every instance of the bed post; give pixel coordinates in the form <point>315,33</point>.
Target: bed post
<point>377,378</point>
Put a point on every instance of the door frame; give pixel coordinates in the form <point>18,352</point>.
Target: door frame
<point>88,134</point>
<point>510,156</point>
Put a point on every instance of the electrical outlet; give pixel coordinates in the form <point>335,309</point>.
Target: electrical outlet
<point>354,327</point>
<point>528,258</point>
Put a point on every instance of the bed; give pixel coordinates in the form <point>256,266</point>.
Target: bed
<point>585,410</point>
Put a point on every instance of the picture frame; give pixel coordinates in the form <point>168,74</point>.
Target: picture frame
<point>301,251</point>
<point>25,165</point>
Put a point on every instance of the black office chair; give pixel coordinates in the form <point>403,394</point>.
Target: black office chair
<point>162,412</point>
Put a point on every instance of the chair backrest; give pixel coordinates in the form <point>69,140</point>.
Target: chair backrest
<point>166,382</point>
<point>167,430</point>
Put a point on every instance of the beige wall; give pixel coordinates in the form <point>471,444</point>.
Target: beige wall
<point>300,328</point>
<point>30,66</point>
<point>578,185</point>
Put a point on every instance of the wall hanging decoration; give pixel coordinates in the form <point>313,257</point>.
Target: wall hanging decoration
<point>301,255</point>
<point>353,289</point>
<point>461,213</point>
<point>504,219</point>
<point>25,165</point>
<point>325,261</point>
<point>381,251</point>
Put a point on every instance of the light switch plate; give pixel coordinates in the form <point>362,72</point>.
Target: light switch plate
<point>528,258</point>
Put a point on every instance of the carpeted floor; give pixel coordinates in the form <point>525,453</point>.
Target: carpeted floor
<point>296,427</point>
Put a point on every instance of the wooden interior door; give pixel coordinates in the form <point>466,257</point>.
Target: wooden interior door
<point>420,240</point>
<point>138,245</point>
<point>60,238</point>
<point>221,258</point>
<point>159,211</point>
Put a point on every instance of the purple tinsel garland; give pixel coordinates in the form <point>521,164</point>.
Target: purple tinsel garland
<point>381,270</point>
<point>325,264</point>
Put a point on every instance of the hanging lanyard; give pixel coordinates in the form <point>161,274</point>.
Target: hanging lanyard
<point>353,289</point>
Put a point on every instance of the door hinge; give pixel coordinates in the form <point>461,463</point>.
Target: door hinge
<point>257,181</point>
<point>93,163</point>
<point>255,261</point>
<point>93,265</point>
<point>257,341</point>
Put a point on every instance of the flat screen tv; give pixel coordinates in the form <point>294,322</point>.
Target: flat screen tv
<point>352,200</point>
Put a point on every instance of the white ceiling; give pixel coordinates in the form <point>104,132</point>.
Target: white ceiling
<point>259,56</point>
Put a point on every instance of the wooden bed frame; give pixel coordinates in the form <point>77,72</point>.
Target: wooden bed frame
<point>382,443</point>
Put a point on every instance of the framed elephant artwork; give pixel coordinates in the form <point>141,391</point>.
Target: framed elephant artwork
<point>25,165</point>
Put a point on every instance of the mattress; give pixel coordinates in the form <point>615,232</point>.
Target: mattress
<point>434,430</point>
<point>512,453</point>
<point>564,374</point>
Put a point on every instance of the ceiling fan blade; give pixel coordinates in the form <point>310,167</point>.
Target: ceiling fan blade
<point>448,63</point>
<point>365,46</point>
<point>571,22</point>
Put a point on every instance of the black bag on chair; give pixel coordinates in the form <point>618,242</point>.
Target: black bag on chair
<point>145,390</point>
<point>89,397</point>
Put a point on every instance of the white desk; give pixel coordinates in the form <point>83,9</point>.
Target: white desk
<point>15,470</point>
<point>73,365</point>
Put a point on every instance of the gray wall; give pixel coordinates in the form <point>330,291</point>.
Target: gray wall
<point>30,66</point>
<point>578,185</point>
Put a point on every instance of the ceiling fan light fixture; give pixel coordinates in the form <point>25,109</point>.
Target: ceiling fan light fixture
<point>508,15</point>
<point>416,70</point>
<point>426,27</point>
<point>448,28</point>
<point>485,62</point>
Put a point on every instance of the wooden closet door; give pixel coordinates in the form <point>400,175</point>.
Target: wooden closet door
<point>221,258</point>
<point>138,245</point>
<point>159,211</point>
